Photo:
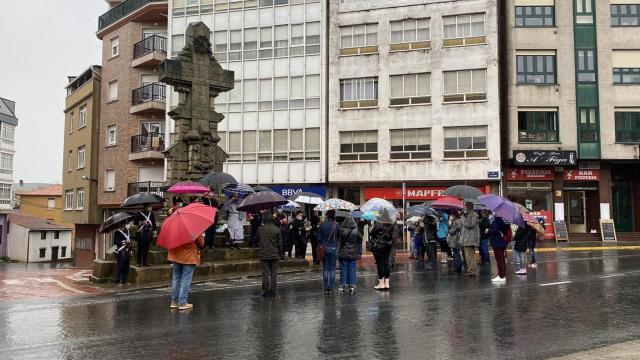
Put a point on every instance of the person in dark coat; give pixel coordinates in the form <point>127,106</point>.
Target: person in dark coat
<point>328,237</point>
<point>256,222</point>
<point>381,240</point>
<point>361,226</point>
<point>314,223</point>
<point>484,241</point>
<point>286,238</point>
<point>122,241</point>
<point>210,234</point>
<point>298,235</point>
<point>350,237</point>
<point>271,251</point>
<point>495,234</point>
<point>431,241</point>
<point>521,240</point>
<point>146,222</point>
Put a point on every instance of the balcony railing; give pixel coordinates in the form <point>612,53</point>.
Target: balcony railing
<point>149,45</point>
<point>120,11</point>
<point>147,142</point>
<point>150,92</point>
<point>152,187</point>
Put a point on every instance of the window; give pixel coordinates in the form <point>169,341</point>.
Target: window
<point>43,235</point>
<point>249,146</point>
<point>113,90</point>
<point>359,93</point>
<point>465,85</point>
<point>111,135</point>
<point>235,45</point>
<point>266,94</point>
<point>623,76</point>
<point>115,46</point>
<point>51,203</point>
<point>80,199</point>
<point>82,120</point>
<point>235,142</point>
<point>312,91</point>
<point>625,15</point>
<point>584,12</point>
<point>536,69</point>
<point>68,200</point>
<point>110,181</point>
<point>177,43</point>
<point>220,45</point>
<point>264,146</point>
<point>7,134</point>
<point>281,43</point>
<point>460,30</point>
<point>43,252</point>
<point>538,126</point>
<point>535,16</point>
<point>6,163</point>
<point>63,251</point>
<point>358,145</point>
<point>81,156</point>
<point>297,40</point>
<point>297,92</point>
<point>410,89</point>
<point>281,93</point>
<point>410,34</point>
<point>250,97</point>
<point>56,235</point>
<point>588,125</point>
<point>465,142</point>
<point>359,39</point>
<point>250,44</point>
<point>5,194</point>
<point>295,145</point>
<point>627,127</point>
<point>280,145</point>
<point>266,42</point>
<point>410,144</point>
<point>312,144</point>
<point>71,122</point>
<point>313,38</point>
<point>70,161</point>
<point>586,66</point>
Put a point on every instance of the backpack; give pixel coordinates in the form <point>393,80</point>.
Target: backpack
<point>508,234</point>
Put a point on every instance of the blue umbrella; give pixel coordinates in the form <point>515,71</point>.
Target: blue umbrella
<point>357,214</point>
<point>369,216</point>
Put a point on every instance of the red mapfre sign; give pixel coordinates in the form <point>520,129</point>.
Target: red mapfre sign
<point>545,174</point>
<point>413,193</point>
<point>582,175</point>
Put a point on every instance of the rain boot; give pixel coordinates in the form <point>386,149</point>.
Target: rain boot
<point>386,284</point>
<point>380,285</point>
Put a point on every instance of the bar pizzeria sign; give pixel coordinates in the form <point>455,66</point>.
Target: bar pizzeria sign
<point>541,157</point>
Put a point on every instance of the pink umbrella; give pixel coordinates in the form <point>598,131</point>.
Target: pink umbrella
<point>188,187</point>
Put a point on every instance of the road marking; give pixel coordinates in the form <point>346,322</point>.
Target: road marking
<point>556,283</point>
<point>588,248</point>
<point>610,276</point>
<point>59,283</point>
<point>12,282</point>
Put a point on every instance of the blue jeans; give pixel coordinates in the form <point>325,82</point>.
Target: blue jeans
<point>347,272</point>
<point>182,275</point>
<point>484,251</point>
<point>457,259</point>
<point>329,267</point>
<point>532,250</point>
<point>516,258</point>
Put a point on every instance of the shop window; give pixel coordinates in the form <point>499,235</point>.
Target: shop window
<point>625,15</point>
<point>622,76</point>
<point>358,145</point>
<point>535,16</point>
<point>536,69</point>
<point>466,29</point>
<point>465,142</point>
<point>627,127</point>
<point>538,126</point>
<point>410,144</point>
<point>465,86</point>
<point>350,194</point>
<point>534,195</point>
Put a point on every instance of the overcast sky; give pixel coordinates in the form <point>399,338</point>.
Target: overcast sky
<point>41,43</point>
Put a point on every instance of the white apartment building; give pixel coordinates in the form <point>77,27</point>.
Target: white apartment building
<point>413,97</point>
<point>274,117</point>
<point>8,123</point>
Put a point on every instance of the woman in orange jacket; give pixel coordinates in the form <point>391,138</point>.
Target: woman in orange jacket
<point>184,258</point>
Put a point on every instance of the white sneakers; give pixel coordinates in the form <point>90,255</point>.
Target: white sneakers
<point>521,272</point>
<point>498,279</point>
<point>533,266</point>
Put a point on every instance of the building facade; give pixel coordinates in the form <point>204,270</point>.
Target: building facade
<point>45,202</point>
<point>571,106</point>
<point>8,123</point>
<point>274,123</point>
<point>34,239</point>
<point>413,97</point>
<point>79,190</point>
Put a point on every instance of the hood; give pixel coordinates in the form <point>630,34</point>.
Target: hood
<point>349,223</point>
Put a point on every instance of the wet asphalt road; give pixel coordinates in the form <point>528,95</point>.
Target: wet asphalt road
<point>572,302</point>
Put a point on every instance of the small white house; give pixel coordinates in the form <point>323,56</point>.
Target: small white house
<point>33,239</point>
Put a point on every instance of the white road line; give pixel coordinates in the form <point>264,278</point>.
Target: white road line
<point>556,283</point>
<point>610,276</point>
<point>12,282</point>
<point>59,283</point>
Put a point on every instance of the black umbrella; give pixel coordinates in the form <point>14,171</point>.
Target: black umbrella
<point>463,192</point>
<point>259,188</point>
<point>420,211</point>
<point>142,199</point>
<point>115,220</point>
<point>262,200</point>
<point>217,178</point>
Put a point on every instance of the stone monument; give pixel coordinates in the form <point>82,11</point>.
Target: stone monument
<point>198,78</point>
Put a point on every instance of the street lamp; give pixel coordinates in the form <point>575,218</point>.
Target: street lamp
<point>85,177</point>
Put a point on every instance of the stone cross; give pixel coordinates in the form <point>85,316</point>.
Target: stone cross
<point>198,78</point>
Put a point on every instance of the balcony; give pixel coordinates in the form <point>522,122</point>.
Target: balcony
<point>153,187</point>
<point>149,52</point>
<point>147,147</point>
<point>149,100</point>
<point>123,10</point>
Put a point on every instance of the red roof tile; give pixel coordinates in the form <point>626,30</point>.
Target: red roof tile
<point>52,190</point>
<point>35,223</point>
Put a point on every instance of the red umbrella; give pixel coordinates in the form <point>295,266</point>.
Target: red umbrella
<point>447,203</point>
<point>185,225</point>
<point>188,187</point>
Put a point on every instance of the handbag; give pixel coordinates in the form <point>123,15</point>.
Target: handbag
<point>321,251</point>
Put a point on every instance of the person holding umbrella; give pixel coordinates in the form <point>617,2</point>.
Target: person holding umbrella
<point>122,243</point>
<point>328,235</point>
<point>350,237</point>
<point>234,222</point>
<point>299,235</point>
<point>146,229</point>
<point>269,238</point>
<point>470,237</point>
<point>380,243</point>
<point>495,233</point>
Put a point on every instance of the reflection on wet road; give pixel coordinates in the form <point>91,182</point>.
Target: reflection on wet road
<point>572,302</point>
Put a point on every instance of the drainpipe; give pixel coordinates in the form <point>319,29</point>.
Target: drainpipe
<point>28,244</point>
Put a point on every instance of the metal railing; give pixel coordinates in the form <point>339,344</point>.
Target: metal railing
<point>119,11</point>
<point>149,45</point>
<point>147,142</point>
<point>149,92</point>
<point>153,187</point>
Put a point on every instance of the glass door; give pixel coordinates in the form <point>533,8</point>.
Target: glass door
<point>576,212</point>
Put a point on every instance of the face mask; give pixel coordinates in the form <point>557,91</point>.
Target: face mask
<point>149,208</point>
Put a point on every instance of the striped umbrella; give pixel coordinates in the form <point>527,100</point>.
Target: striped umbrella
<point>238,189</point>
<point>335,204</point>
